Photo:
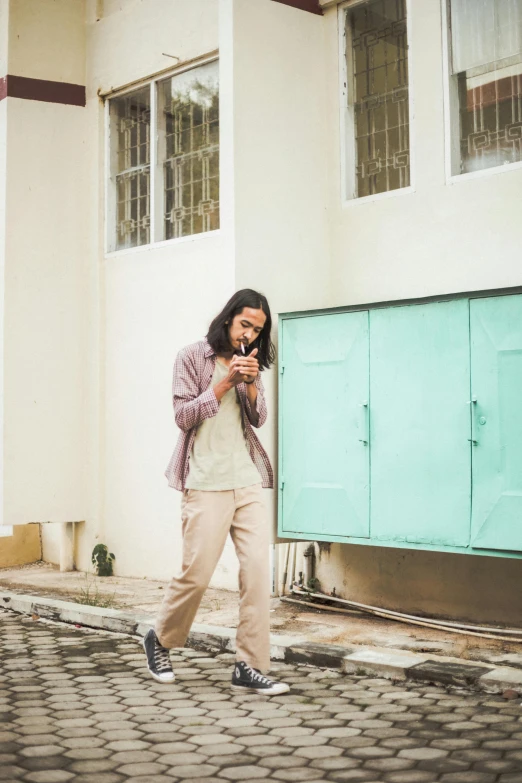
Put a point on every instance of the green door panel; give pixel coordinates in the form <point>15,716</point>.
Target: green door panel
<point>420,424</point>
<point>324,459</point>
<point>496,376</point>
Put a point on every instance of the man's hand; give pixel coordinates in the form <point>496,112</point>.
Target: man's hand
<point>242,369</point>
<point>247,366</point>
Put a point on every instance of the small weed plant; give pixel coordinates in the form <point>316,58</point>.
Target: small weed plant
<point>102,560</point>
<point>90,594</point>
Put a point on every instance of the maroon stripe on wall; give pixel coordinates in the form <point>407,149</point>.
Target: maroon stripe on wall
<point>303,5</point>
<point>42,90</point>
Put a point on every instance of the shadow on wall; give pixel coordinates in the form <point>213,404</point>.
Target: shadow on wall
<point>440,584</point>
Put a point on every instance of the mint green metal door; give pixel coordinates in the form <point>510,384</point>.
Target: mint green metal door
<point>323,425</point>
<point>420,448</point>
<point>496,382</point>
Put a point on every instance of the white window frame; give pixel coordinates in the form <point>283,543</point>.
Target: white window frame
<point>451,115</point>
<point>347,126</point>
<point>156,177</point>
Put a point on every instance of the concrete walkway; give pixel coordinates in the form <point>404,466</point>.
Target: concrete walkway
<point>351,643</point>
<point>79,705</point>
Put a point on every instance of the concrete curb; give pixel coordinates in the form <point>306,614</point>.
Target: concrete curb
<point>373,661</point>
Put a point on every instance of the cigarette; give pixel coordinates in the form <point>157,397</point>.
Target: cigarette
<point>243,348</point>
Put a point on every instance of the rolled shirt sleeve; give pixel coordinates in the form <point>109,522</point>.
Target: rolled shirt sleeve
<point>258,412</point>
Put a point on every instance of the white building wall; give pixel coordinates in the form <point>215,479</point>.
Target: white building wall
<point>4,38</point>
<point>282,242</point>
<point>153,300</point>
<point>441,238</point>
<point>45,311</point>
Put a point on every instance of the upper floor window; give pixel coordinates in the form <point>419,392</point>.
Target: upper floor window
<point>377,104</point>
<point>169,188</point>
<point>485,83</point>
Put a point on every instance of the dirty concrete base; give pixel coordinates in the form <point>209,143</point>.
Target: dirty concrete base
<point>354,643</point>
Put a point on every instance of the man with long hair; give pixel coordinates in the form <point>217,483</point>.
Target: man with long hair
<point>220,466</point>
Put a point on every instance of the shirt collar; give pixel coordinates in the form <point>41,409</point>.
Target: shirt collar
<point>208,350</point>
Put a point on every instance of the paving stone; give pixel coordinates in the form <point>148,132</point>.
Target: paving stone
<point>280,762</point>
<point>135,757</point>
<point>291,731</point>
<point>38,751</point>
<point>194,772</point>
<point>233,723</point>
<point>410,776</point>
<point>389,764</point>
<point>244,773</point>
<point>182,759</point>
<point>93,766</point>
<point>468,777</point>
<point>50,776</point>
<point>86,754</point>
<point>11,772</point>
<point>210,739</point>
<point>127,745</point>
<point>319,751</point>
<point>333,763</point>
<point>144,768</point>
<point>221,749</point>
<point>297,774</point>
<point>419,754</point>
<point>353,776</point>
<point>370,752</point>
<point>174,747</point>
<point>101,777</point>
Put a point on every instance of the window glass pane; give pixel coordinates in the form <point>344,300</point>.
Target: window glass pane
<point>484,31</point>
<point>130,167</point>
<point>486,37</point>
<point>379,95</point>
<point>190,125</point>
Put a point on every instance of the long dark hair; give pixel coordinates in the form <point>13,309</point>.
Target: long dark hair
<point>218,330</point>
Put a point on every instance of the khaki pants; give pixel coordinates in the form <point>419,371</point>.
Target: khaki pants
<point>207,519</point>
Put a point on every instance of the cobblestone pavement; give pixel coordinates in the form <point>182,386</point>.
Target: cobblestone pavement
<point>79,705</point>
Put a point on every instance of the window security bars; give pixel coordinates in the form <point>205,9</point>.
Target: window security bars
<point>131,122</point>
<point>377,66</point>
<point>170,188</point>
<point>191,169</point>
<point>486,76</point>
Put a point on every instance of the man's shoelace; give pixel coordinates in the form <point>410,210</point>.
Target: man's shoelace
<point>161,659</point>
<point>257,676</point>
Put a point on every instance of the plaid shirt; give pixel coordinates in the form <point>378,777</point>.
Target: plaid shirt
<point>194,400</point>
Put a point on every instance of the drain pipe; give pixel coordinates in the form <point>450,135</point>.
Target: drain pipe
<point>442,625</point>
<point>308,566</point>
<point>285,569</point>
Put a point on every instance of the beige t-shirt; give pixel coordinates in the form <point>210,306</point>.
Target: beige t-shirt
<point>219,459</point>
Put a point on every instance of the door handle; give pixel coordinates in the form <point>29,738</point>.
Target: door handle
<point>364,406</point>
<point>473,440</point>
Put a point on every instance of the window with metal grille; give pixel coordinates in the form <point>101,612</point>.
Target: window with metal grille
<point>169,189</point>
<point>130,125</point>
<point>377,127</point>
<point>190,119</point>
<point>486,83</point>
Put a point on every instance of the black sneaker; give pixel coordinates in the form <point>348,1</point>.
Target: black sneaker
<point>158,660</point>
<point>247,679</point>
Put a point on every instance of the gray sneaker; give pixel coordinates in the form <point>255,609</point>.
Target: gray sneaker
<point>158,659</point>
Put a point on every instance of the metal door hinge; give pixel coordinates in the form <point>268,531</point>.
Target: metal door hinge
<point>281,368</point>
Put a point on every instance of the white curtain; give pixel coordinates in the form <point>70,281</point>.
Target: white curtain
<point>484,31</point>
